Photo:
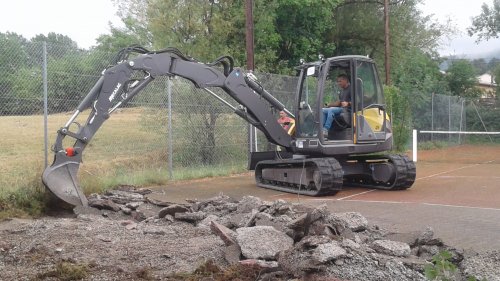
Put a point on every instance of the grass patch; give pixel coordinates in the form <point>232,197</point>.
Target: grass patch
<point>429,145</point>
<point>211,271</point>
<point>27,201</point>
<point>66,271</point>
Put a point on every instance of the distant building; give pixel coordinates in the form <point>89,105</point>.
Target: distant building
<point>488,87</point>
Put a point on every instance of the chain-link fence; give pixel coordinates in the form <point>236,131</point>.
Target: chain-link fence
<point>171,129</point>
<point>453,117</point>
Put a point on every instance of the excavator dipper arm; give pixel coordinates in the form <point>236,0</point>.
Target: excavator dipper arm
<point>116,87</point>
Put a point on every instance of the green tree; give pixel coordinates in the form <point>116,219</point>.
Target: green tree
<point>493,63</point>
<point>496,77</point>
<point>400,110</point>
<point>305,30</point>
<point>480,65</point>
<point>461,78</point>
<point>487,24</point>
<point>13,58</point>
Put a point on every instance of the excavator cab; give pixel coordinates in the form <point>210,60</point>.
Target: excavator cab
<point>364,122</point>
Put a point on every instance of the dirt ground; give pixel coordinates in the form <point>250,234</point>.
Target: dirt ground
<point>456,193</point>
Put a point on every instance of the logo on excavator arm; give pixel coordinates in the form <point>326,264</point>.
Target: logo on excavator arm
<point>115,91</point>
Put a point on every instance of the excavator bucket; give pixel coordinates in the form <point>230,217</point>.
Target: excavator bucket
<point>61,179</point>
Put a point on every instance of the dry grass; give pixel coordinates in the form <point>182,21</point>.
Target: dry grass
<point>22,145</point>
<point>128,148</point>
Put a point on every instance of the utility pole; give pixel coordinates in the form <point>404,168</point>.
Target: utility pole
<point>252,133</point>
<point>387,61</point>
<point>249,34</point>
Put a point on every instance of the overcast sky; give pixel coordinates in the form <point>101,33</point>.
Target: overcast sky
<point>84,20</point>
<point>461,13</point>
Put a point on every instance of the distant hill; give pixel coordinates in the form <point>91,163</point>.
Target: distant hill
<point>487,56</point>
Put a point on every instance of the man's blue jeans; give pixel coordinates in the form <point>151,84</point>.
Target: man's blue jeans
<point>329,114</point>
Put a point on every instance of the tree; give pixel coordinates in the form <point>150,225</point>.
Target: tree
<point>461,78</point>
<point>13,58</point>
<point>480,65</point>
<point>496,77</point>
<point>305,30</point>
<point>487,24</point>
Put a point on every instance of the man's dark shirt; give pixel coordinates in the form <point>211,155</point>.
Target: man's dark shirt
<point>345,94</point>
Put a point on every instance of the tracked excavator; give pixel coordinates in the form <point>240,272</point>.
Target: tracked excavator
<point>355,152</point>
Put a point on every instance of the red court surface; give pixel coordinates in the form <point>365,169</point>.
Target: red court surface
<point>456,192</point>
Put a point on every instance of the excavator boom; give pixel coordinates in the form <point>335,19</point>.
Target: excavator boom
<point>116,87</point>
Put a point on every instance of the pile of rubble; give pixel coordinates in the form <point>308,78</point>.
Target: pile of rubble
<point>288,240</point>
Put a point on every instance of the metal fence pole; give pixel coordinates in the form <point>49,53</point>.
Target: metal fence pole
<point>45,105</point>
<point>461,118</point>
<point>432,116</point>
<point>169,133</point>
<point>449,116</point>
<point>250,138</point>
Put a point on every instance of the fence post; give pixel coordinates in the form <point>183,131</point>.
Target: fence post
<point>461,118</point>
<point>45,105</point>
<point>449,117</point>
<point>432,116</point>
<point>169,133</point>
<point>415,142</point>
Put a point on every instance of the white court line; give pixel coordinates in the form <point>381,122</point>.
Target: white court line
<point>418,203</point>
<point>461,168</point>
<point>482,177</point>
<point>353,195</point>
<point>371,190</point>
<point>458,206</point>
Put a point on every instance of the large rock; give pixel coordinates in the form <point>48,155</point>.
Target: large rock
<point>172,210</point>
<point>123,197</point>
<point>328,252</point>
<point>393,248</point>
<point>226,234</point>
<point>352,220</point>
<point>249,203</point>
<point>262,242</point>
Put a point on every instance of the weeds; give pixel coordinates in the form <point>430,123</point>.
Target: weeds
<point>66,271</point>
<point>25,202</point>
<point>442,269</point>
<point>210,270</point>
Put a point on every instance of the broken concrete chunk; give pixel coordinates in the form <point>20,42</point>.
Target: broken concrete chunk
<point>248,203</point>
<point>352,220</point>
<point>393,248</point>
<point>262,242</point>
<point>190,217</point>
<point>328,252</point>
<point>172,210</point>
<point>226,234</point>
<point>104,204</point>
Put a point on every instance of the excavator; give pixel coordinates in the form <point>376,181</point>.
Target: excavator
<point>355,152</point>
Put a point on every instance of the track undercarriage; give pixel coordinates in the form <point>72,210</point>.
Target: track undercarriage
<point>326,176</point>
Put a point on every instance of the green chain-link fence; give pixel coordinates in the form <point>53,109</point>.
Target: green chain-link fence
<point>169,129</point>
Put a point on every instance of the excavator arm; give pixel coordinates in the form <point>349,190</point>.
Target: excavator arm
<point>119,84</point>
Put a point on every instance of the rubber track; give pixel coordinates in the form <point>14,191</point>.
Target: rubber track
<point>404,177</point>
<point>331,176</point>
<point>411,173</point>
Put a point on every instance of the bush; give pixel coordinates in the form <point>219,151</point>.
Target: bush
<point>400,111</point>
